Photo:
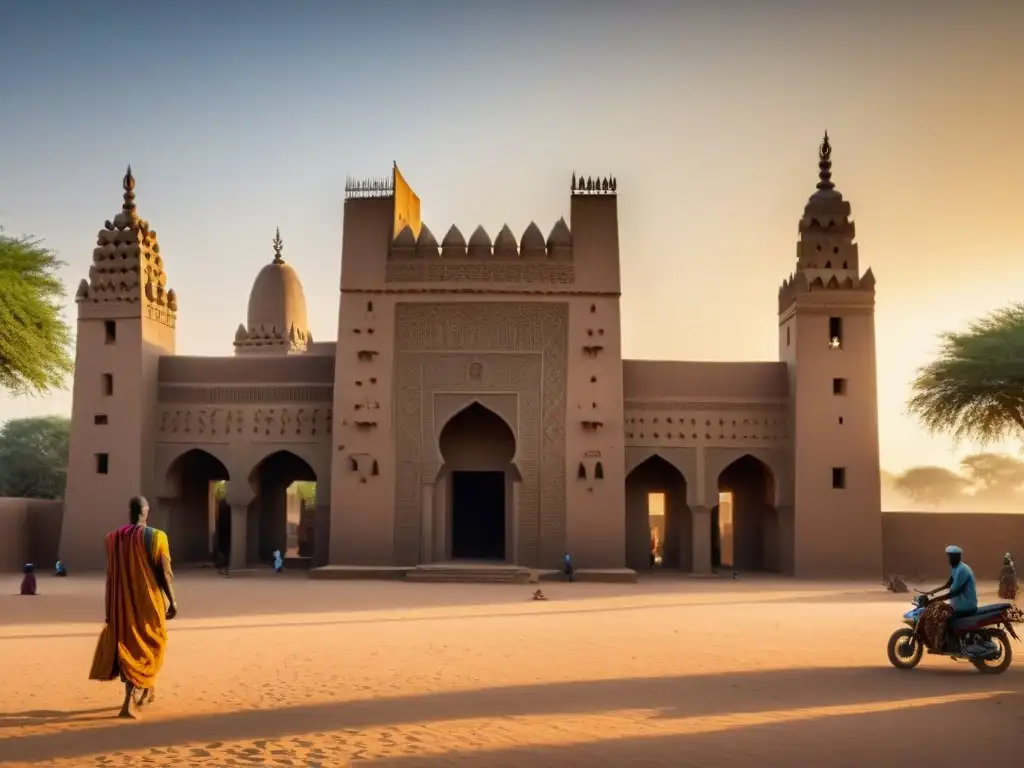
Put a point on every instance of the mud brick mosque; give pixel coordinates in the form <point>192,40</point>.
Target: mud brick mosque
<point>476,406</point>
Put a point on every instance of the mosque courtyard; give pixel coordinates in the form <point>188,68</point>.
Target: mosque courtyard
<point>284,671</point>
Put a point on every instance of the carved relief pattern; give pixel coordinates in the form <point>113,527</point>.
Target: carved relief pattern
<point>691,405</point>
<point>728,426</point>
<point>522,349</point>
<point>173,393</point>
<point>220,424</point>
<point>426,272</point>
<point>516,374</point>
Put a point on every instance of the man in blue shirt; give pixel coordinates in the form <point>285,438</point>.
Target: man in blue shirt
<point>963,593</point>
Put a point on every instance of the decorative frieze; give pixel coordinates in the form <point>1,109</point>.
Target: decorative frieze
<point>313,393</point>
<point>537,273</point>
<point>244,424</point>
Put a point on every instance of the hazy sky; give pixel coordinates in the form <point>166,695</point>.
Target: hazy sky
<point>239,117</point>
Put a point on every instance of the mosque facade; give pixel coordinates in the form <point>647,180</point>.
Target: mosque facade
<point>475,406</point>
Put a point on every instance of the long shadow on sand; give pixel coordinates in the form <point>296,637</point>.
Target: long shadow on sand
<point>898,737</point>
<point>674,697</point>
<point>54,716</point>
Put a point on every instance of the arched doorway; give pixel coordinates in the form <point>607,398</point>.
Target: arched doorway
<point>744,525</point>
<point>659,531</point>
<point>281,517</point>
<point>197,510</point>
<point>478,447</point>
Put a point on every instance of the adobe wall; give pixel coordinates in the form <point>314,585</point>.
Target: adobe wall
<point>29,533</point>
<point>913,542</point>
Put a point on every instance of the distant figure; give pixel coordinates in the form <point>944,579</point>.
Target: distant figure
<point>278,561</point>
<point>897,584</point>
<point>220,558</point>
<point>567,568</point>
<point>538,595</point>
<point>60,570</point>
<point>1008,580</point>
<point>139,578</point>
<point>28,584</point>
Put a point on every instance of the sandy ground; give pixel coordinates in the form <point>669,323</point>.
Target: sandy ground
<point>281,671</point>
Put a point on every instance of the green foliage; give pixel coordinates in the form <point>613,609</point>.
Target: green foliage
<point>931,485</point>
<point>35,341</point>
<point>34,457</point>
<point>975,388</point>
<point>306,491</point>
<point>994,474</point>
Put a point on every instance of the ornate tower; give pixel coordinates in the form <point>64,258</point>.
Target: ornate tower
<point>126,320</point>
<point>827,338</point>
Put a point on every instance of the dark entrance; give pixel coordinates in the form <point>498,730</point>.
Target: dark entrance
<point>478,515</point>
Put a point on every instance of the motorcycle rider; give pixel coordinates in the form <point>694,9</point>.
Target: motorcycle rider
<point>963,592</point>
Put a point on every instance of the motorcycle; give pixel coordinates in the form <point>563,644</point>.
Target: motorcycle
<point>982,639</point>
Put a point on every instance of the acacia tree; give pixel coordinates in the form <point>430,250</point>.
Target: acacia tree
<point>933,486</point>
<point>974,389</point>
<point>34,457</point>
<point>35,341</point>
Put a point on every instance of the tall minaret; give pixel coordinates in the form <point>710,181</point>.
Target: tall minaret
<point>827,338</point>
<point>126,322</point>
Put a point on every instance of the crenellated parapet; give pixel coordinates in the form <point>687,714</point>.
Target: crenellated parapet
<point>454,246</point>
<point>814,281</point>
<point>271,338</point>
<point>126,264</point>
<point>593,185</point>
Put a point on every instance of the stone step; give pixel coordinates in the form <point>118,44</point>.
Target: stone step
<point>470,574</point>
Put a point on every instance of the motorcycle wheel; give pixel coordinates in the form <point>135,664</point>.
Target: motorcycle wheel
<point>904,649</point>
<point>998,665</point>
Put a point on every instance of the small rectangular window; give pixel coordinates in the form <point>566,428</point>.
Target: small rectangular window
<point>840,421</point>
<point>108,384</point>
<point>102,463</point>
<point>787,336</point>
<point>839,477</point>
<point>838,386</point>
<point>835,332</point>
<point>99,419</point>
<point>110,331</point>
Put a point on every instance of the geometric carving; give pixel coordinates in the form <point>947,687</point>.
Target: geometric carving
<point>213,424</point>
<point>367,354</point>
<point>592,350</point>
<point>479,272</point>
<point>172,393</point>
<point>521,352</point>
<point>690,405</point>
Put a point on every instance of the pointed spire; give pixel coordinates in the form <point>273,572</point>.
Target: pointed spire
<point>128,182</point>
<point>825,165</point>
<point>278,247</point>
